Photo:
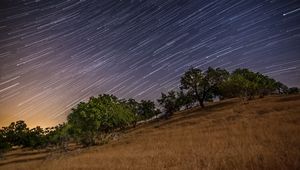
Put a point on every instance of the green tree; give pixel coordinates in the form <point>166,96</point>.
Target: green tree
<point>237,85</point>
<point>58,136</point>
<point>281,88</point>
<point>16,133</point>
<point>247,84</point>
<point>266,85</point>
<point>99,115</point>
<point>35,138</point>
<point>185,99</point>
<point>203,85</point>
<point>4,144</point>
<point>146,110</point>
<point>169,102</point>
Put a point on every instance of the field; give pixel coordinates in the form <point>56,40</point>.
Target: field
<point>261,134</point>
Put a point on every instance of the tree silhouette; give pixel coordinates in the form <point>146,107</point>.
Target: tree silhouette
<point>203,85</point>
<point>169,102</point>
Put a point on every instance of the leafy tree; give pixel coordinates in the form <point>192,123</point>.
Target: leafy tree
<point>248,81</point>
<point>247,84</point>
<point>146,110</point>
<point>169,102</point>
<point>58,136</point>
<point>237,85</point>
<point>35,138</point>
<point>134,105</point>
<point>62,135</point>
<point>266,85</point>
<point>16,133</point>
<point>185,99</point>
<point>4,144</point>
<point>203,85</point>
<point>281,88</point>
<point>99,115</point>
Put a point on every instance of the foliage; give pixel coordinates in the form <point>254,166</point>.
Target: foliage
<point>90,121</point>
<point>237,85</point>
<point>293,90</point>
<point>247,84</point>
<point>99,115</point>
<point>4,144</point>
<point>147,110</point>
<point>35,138</point>
<point>185,99</point>
<point>16,133</point>
<point>169,102</point>
<point>281,88</point>
<point>58,136</point>
<point>203,85</point>
<point>143,110</point>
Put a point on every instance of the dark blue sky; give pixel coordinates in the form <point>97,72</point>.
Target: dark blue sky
<point>56,53</point>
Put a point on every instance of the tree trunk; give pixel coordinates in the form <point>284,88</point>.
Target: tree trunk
<point>198,97</point>
<point>201,103</point>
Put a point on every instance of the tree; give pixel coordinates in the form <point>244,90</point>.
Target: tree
<point>203,85</point>
<point>237,85</point>
<point>247,84</point>
<point>169,102</point>
<point>281,88</point>
<point>293,90</point>
<point>4,144</point>
<point>35,138</point>
<point>248,81</point>
<point>266,85</point>
<point>16,133</point>
<point>146,109</point>
<point>99,115</point>
<point>185,99</point>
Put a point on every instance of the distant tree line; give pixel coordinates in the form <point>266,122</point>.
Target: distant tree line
<point>87,124</point>
<point>197,86</point>
<point>93,121</point>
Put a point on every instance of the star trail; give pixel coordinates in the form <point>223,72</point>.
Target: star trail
<point>54,54</point>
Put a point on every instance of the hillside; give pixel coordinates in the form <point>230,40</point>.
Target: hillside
<point>262,134</point>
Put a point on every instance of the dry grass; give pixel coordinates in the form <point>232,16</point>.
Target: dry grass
<point>263,134</point>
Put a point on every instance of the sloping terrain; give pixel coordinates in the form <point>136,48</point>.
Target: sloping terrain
<point>262,134</point>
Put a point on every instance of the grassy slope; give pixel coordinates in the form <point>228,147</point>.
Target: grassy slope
<point>263,134</point>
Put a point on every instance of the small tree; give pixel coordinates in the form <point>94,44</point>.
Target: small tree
<point>185,99</point>
<point>169,102</point>
<point>146,110</point>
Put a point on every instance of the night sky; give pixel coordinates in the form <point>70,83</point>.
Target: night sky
<point>55,53</point>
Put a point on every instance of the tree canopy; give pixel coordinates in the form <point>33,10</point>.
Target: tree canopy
<point>203,85</point>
